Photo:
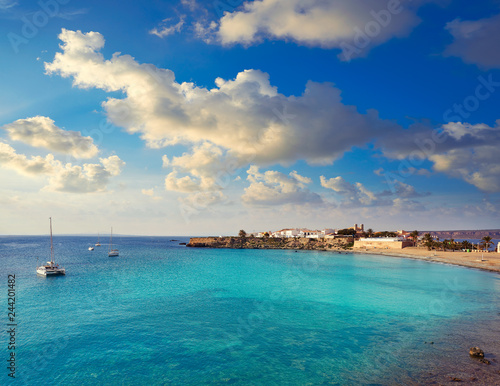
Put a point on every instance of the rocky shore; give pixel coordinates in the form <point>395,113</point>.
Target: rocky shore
<point>486,261</point>
<point>271,243</point>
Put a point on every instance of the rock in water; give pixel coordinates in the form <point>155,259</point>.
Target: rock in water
<point>476,352</point>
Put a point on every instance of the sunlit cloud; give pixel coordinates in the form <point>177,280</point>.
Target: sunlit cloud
<point>43,133</point>
<point>354,26</point>
<point>87,178</point>
<point>275,188</point>
<point>246,116</point>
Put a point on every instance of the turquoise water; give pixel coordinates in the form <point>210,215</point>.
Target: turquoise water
<point>166,314</point>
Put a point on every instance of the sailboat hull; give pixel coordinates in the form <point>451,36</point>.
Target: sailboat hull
<point>113,253</point>
<point>50,271</point>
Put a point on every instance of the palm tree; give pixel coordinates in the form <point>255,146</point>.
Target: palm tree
<point>369,232</point>
<point>466,244</point>
<point>486,242</point>
<point>414,236</point>
<point>428,242</point>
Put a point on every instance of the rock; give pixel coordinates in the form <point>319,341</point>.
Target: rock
<point>484,360</point>
<point>476,352</point>
<point>454,379</point>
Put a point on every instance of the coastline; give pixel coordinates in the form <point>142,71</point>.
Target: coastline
<point>491,260</point>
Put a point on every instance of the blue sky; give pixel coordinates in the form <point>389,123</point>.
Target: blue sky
<point>187,117</point>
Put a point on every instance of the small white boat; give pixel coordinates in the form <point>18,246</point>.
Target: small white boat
<point>91,248</point>
<point>112,252</point>
<point>98,244</point>
<point>51,268</point>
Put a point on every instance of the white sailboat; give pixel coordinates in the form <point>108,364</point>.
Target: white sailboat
<point>91,248</point>
<point>51,268</point>
<point>98,244</point>
<point>112,252</point>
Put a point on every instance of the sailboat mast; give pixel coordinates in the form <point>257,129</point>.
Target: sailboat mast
<point>111,240</point>
<point>51,243</point>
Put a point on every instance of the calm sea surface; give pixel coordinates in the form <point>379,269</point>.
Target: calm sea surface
<point>161,313</point>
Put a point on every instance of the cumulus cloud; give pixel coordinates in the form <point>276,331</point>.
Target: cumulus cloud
<point>275,188</point>
<point>42,132</point>
<point>165,29</point>
<point>460,150</point>
<point>246,116</point>
<point>208,167</point>
<point>353,194</point>
<point>351,25</point>
<point>62,177</point>
<point>357,195</point>
<point>476,41</point>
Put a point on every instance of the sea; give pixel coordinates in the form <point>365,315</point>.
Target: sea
<point>164,314</point>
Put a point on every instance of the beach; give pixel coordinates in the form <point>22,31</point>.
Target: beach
<point>490,260</point>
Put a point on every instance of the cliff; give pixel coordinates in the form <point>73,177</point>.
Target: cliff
<point>270,243</point>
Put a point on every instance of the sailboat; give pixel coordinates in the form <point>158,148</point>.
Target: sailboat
<point>112,252</point>
<point>91,248</point>
<point>51,268</point>
<point>98,244</point>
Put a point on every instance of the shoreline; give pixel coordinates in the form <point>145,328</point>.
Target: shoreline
<point>486,261</point>
<point>491,262</point>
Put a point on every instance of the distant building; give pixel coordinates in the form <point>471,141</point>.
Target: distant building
<point>359,230</point>
<point>404,234</point>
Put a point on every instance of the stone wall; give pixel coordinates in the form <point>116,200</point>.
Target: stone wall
<point>382,244</point>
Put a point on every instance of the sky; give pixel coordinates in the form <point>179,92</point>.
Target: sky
<point>190,117</point>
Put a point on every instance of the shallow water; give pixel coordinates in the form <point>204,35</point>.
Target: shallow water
<point>161,313</point>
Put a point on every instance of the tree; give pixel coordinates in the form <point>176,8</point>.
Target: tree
<point>347,232</point>
<point>486,242</point>
<point>428,242</point>
<point>266,235</point>
<point>369,232</point>
<point>414,236</point>
<point>466,244</point>
<point>242,234</point>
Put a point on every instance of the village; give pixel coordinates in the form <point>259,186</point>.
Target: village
<point>368,239</point>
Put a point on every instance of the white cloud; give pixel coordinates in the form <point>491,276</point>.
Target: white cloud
<point>20,163</point>
<point>62,177</point>
<point>476,41</point>
<point>42,132</point>
<point>165,30</point>
<point>357,195</point>
<point>208,168</point>
<point>353,194</point>
<point>246,116</point>
<point>460,150</point>
<point>275,188</point>
<point>88,178</point>
<point>361,24</point>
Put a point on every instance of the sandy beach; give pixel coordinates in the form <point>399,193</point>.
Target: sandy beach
<point>490,260</point>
